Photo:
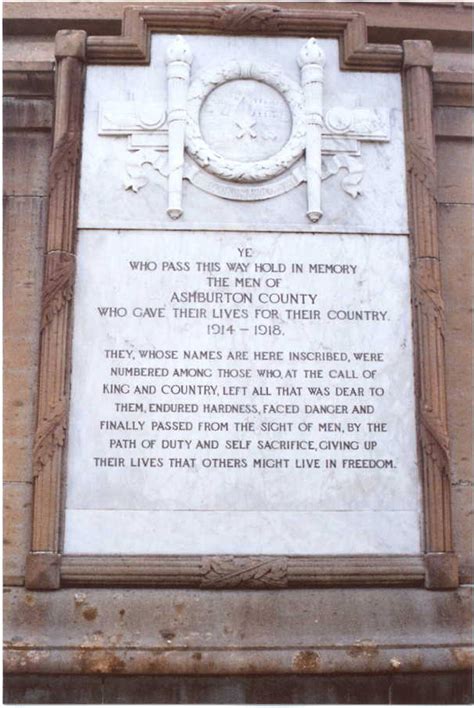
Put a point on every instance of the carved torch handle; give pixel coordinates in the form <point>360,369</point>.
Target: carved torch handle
<point>178,60</point>
<point>311,62</point>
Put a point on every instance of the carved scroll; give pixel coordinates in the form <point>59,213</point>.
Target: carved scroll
<point>53,397</point>
<point>428,312</point>
<point>311,62</point>
<point>178,60</point>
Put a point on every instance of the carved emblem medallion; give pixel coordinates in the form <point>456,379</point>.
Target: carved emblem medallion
<point>245,121</point>
<point>244,131</point>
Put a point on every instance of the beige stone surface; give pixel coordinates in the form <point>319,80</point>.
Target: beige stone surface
<point>177,631</point>
<point>24,219</point>
<point>455,221</point>
<point>27,173</point>
<point>17,530</point>
<point>454,172</point>
<point>25,184</point>
<point>456,212</point>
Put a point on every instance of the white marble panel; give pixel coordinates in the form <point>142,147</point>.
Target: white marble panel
<point>237,532</point>
<point>104,202</point>
<point>363,480</point>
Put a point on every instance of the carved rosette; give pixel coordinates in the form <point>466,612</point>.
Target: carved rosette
<point>427,300</point>
<point>53,396</point>
<point>229,572</point>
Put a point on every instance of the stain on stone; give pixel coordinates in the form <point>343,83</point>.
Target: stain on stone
<point>153,666</point>
<point>463,657</point>
<point>179,607</point>
<point>306,661</point>
<point>30,599</point>
<point>364,647</point>
<point>121,613</point>
<point>197,655</point>
<point>101,663</point>
<point>89,613</point>
<point>415,664</point>
<point>111,664</point>
<point>167,635</point>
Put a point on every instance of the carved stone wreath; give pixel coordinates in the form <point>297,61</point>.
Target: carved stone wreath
<point>237,170</point>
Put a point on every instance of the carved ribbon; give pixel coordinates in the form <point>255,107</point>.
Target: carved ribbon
<point>421,163</point>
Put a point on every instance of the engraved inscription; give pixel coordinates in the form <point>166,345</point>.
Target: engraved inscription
<point>242,394</point>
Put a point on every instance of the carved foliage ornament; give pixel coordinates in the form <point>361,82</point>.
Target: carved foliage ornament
<point>174,144</point>
<point>252,572</point>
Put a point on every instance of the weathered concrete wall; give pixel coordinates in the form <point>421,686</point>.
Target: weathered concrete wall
<point>183,632</point>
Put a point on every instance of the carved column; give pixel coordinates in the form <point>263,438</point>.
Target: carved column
<point>441,564</point>
<point>178,59</point>
<point>311,62</point>
<point>55,348</point>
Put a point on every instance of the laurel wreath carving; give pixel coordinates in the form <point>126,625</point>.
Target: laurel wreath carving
<point>248,18</point>
<point>59,286</point>
<point>50,435</point>
<point>253,572</point>
<point>236,170</point>
<point>64,157</point>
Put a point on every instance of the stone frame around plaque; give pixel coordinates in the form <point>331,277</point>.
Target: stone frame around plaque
<point>47,567</point>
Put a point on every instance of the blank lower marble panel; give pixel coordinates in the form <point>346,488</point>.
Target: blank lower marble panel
<point>185,532</point>
<point>309,488</point>
<point>376,167</point>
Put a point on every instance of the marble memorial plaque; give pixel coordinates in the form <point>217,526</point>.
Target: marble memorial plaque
<point>242,370</point>
<point>242,393</point>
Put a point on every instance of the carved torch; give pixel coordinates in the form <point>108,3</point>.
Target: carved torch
<point>311,62</point>
<point>178,60</point>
